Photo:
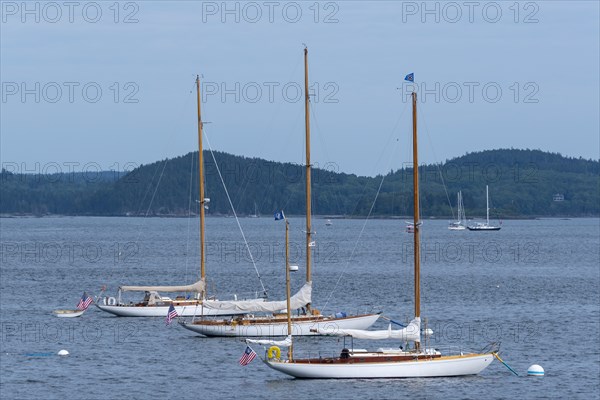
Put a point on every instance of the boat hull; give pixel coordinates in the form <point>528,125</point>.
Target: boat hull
<point>68,313</point>
<point>470,364</point>
<point>161,311</point>
<point>279,327</point>
<point>483,228</point>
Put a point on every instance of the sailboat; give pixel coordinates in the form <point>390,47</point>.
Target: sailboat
<point>275,324</point>
<point>480,226</point>
<point>255,215</point>
<point>419,361</point>
<point>460,223</point>
<point>156,305</point>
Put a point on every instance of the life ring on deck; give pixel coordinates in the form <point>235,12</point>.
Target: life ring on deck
<point>111,301</point>
<point>276,350</point>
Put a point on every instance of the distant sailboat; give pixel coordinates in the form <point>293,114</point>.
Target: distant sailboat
<point>481,226</point>
<point>255,215</point>
<point>460,223</point>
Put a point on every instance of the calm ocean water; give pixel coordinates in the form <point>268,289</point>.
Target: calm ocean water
<point>533,286</point>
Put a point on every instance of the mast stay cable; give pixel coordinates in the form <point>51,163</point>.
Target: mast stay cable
<point>234,213</point>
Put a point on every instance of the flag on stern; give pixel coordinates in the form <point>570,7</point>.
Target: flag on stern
<point>247,357</point>
<point>84,302</point>
<point>171,314</point>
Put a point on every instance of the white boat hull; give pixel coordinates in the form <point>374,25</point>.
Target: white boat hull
<point>279,327</point>
<point>161,311</point>
<point>68,313</point>
<point>438,367</point>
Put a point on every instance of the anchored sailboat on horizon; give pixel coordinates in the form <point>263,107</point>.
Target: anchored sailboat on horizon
<point>461,221</point>
<point>485,226</point>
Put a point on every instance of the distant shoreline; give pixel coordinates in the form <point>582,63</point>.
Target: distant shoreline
<point>332,217</point>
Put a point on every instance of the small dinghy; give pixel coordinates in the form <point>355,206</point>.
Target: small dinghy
<point>83,305</point>
<point>68,313</point>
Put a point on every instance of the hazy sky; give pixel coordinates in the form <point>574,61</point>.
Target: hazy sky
<point>489,74</point>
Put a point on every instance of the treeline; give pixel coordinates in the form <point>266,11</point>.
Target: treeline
<point>522,183</point>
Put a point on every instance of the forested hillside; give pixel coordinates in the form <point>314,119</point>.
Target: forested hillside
<point>522,184</point>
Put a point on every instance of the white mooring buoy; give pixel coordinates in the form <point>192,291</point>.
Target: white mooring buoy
<point>63,352</point>
<point>535,370</point>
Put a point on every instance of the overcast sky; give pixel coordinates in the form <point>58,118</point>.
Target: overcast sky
<point>489,75</point>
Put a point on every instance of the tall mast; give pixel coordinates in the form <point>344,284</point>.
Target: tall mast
<point>201,185</point>
<point>308,194</point>
<point>417,248</point>
<point>460,208</point>
<point>487,205</point>
<point>287,284</point>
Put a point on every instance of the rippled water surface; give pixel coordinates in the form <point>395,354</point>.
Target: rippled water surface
<point>533,286</point>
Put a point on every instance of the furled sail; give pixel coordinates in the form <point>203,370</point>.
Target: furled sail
<point>409,334</point>
<point>298,300</point>
<point>197,287</point>
<point>287,342</point>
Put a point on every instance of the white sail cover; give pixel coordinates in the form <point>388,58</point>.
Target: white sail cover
<point>197,287</point>
<point>287,342</point>
<point>409,334</point>
<point>298,300</point>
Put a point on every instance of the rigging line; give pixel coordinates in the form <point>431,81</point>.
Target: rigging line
<point>386,146</point>
<point>393,322</point>
<point>269,129</point>
<point>288,181</point>
<point>239,196</point>
<point>139,233</point>
<point>187,240</point>
<point>156,189</point>
<point>361,233</point>
<point>327,156</point>
<point>148,189</point>
<point>242,190</point>
<point>424,120</point>
<point>234,213</point>
<point>154,175</point>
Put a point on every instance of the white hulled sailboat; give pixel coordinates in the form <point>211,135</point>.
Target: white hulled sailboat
<point>421,361</point>
<point>461,221</point>
<point>485,226</point>
<point>156,305</point>
<point>275,323</point>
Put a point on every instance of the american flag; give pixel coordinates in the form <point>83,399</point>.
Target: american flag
<point>84,302</point>
<point>171,314</point>
<point>247,357</point>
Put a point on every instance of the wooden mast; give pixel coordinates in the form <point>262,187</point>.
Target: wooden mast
<point>308,194</point>
<point>287,284</point>
<point>417,248</point>
<point>201,186</point>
